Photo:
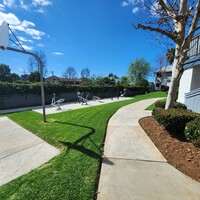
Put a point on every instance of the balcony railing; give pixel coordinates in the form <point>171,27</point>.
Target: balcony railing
<point>194,47</point>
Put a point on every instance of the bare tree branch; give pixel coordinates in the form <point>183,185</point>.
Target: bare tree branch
<point>194,22</point>
<point>163,32</point>
<point>167,10</point>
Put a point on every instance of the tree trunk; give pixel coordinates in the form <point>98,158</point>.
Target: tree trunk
<point>171,97</point>
<point>177,72</point>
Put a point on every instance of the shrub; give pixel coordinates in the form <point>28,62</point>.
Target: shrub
<point>192,131</point>
<point>180,105</point>
<point>34,88</point>
<point>161,104</point>
<point>164,88</point>
<point>174,120</point>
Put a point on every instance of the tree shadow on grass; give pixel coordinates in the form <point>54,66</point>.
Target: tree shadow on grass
<point>76,146</point>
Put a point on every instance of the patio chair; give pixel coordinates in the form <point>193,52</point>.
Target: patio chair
<point>96,98</point>
<point>122,93</point>
<point>82,99</point>
<point>57,103</point>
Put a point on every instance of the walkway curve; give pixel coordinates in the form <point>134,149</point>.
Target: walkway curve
<point>138,170</point>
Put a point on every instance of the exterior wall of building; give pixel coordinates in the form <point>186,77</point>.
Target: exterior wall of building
<point>163,77</point>
<point>189,89</point>
<point>192,100</point>
<point>185,84</point>
<point>195,78</point>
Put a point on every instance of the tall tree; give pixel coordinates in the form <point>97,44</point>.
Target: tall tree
<point>85,73</point>
<point>24,77</point>
<point>125,81</point>
<point>138,71</point>
<point>160,70</point>
<point>34,65</point>
<point>4,73</point>
<point>176,20</point>
<point>34,76</point>
<point>70,73</point>
<point>14,77</point>
<point>112,78</point>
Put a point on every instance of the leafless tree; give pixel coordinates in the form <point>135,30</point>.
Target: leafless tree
<point>160,69</point>
<point>175,20</point>
<point>70,73</point>
<point>85,73</point>
<point>34,65</point>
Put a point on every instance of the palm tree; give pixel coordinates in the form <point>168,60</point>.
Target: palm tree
<point>170,55</point>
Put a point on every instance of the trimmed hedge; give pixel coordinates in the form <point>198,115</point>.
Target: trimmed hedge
<point>174,120</point>
<point>161,104</point>
<point>192,131</point>
<point>7,89</point>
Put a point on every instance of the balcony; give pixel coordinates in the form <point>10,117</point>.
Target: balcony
<point>194,53</point>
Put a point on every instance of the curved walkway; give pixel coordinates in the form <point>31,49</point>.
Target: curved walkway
<point>138,170</point>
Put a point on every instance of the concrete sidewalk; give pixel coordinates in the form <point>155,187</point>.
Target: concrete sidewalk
<point>49,109</point>
<point>20,151</point>
<point>133,168</point>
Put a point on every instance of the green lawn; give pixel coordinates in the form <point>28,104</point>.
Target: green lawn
<point>74,173</point>
<point>152,106</point>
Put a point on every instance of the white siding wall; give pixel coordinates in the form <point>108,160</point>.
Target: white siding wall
<point>185,84</point>
<point>195,78</point>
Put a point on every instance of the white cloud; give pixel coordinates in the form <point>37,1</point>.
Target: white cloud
<point>17,28</point>
<point>9,3</point>
<point>124,3</point>
<point>58,53</point>
<point>2,7</point>
<point>23,26</point>
<point>26,24</point>
<point>135,10</point>
<point>40,10</point>
<point>41,2</point>
<point>130,2</point>
<point>40,45</point>
<point>27,47</point>
<point>36,34</point>
<point>9,18</point>
<point>20,69</point>
<point>22,5</point>
<point>23,39</point>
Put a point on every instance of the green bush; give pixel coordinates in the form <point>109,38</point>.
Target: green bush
<point>161,104</point>
<point>174,120</point>
<point>22,88</point>
<point>180,105</point>
<point>192,131</point>
<point>164,88</point>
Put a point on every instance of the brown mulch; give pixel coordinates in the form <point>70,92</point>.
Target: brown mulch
<point>183,155</point>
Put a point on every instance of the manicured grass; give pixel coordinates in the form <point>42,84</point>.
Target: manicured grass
<point>73,174</point>
<point>152,106</point>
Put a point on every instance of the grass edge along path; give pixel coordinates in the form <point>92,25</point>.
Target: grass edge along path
<point>74,173</point>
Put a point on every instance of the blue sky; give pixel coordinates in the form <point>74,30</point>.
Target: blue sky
<point>97,34</point>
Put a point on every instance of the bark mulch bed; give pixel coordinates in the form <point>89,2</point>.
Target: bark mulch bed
<point>181,154</point>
